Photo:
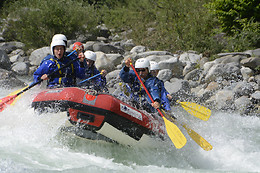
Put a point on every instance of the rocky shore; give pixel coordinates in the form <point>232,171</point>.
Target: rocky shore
<point>231,82</point>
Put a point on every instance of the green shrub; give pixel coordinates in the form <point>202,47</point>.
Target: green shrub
<point>170,25</point>
<point>240,20</point>
<point>178,25</point>
<point>233,15</point>
<point>34,22</point>
<point>248,37</point>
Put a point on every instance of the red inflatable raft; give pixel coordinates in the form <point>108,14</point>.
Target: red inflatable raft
<point>102,114</point>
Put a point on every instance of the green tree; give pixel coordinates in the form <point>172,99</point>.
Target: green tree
<point>236,15</point>
<point>240,20</point>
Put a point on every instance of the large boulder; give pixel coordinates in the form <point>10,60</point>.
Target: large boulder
<point>138,49</point>
<point>225,100</point>
<point>174,65</point>
<point>243,89</point>
<point>242,104</point>
<point>107,48</point>
<point>8,79</point>
<point>188,58</point>
<point>193,75</point>
<point>115,59</point>
<point>37,55</point>
<point>8,47</point>
<point>246,72</point>
<point>4,60</point>
<point>149,53</point>
<point>165,75</point>
<point>103,63</point>
<point>220,72</point>
<point>21,68</point>
<point>252,62</point>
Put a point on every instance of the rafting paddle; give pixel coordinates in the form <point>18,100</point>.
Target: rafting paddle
<point>175,134</point>
<point>205,145</point>
<point>196,110</point>
<point>10,99</point>
<point>91,77</point>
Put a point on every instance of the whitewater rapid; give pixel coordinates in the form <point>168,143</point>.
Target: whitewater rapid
<point>30,142</point>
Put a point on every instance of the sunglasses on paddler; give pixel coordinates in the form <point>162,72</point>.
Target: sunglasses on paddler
<point>140,69</point>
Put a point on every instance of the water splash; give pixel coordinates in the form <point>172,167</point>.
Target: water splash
<point>34,143</point>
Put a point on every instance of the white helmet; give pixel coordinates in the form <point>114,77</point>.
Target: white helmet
<point>90,55</point>
<point>57,43</point>
<point>142,63</point>
<point>60,37</point>
<point>154,65</point>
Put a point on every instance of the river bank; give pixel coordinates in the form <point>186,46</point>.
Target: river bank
<point>230,82</point>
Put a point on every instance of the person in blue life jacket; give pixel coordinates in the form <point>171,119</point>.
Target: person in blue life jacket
<point>65,77</point>
<point>98,83</point>
<point>54,38</point>
<point>138,95</point>
<point>165,95</point>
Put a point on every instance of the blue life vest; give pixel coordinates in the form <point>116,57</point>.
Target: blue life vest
<point>138,94</point>
<point>63,78</point>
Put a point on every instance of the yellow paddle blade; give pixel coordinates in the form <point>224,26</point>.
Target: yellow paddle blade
<point>176,136</point>
<point>198,139</point>
<point>18,97</point>
<point>195,136</point>
<point>196,110</point>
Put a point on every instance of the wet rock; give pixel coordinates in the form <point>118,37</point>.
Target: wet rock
<point>256,97</point>
<point>4,60</point>
<point>225,100</point>
<point>8,79</point>
<point>242,104</point>
<point>243,89</point>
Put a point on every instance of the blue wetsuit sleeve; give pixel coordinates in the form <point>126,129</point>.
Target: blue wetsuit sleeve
<point>44,68</point>
<point>79,67</point>
<point>127,75</point>
<point>165,100</point>
<point>154,88</point>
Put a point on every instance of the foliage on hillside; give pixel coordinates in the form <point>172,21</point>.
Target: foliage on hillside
<point>240,19</point>
<point>166,24</point>
<point>234,16</point>
<point>158,24</point>
<point>34,22</point>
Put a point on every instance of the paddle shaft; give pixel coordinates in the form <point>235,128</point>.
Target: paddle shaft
<point>89,78</point>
